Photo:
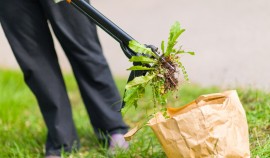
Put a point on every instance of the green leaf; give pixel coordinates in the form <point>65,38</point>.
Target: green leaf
<point>139,80</point>
<point>191,53</point>
<point>131,97</point>
<point>175,32</point>
<point>183,52</point>
<point>142,59</point>
<point>126,108</point>
<point>162,47</point>
<point>139,48</point>
<point>133,92</point>
<point>140,68</point>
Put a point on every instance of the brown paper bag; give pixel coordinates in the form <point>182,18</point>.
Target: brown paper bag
<point>213,125</point>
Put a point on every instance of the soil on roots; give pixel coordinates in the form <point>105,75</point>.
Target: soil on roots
<point>171,81</point>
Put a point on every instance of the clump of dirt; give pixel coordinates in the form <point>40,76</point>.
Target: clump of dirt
<point>170,74</point>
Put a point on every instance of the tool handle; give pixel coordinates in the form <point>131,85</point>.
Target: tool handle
<point>103,22</point>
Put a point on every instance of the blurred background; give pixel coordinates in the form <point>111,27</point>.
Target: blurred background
<point>231,38</point>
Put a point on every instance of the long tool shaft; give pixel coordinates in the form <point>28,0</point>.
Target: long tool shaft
<point>103,22</point>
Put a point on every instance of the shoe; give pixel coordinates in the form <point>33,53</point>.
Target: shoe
<point>52,156</point>
<point>118,141</point>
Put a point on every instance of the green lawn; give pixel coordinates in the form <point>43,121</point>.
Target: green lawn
<point>22,130</point>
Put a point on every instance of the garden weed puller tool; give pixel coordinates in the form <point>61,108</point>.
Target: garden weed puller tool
<point>118,34</point>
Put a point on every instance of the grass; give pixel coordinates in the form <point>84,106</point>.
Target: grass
<point>23,132</point>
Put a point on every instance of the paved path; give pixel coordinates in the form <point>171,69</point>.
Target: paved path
<point>231,38</point>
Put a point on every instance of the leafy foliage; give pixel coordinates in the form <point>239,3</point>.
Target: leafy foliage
<point>140,80</point>
<point>139,48</point>
<point>142,59</point>
<point>140,68</point>
<point>175,32</point>
<point>161,78</point>
<point>135,90</point>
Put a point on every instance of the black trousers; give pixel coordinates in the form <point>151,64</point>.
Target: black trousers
<point>25,26</point>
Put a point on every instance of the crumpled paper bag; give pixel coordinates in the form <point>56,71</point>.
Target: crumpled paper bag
<point>213,125</point>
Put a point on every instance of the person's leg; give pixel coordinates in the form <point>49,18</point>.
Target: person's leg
<point>78,37</point>
<point>27,31</point>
